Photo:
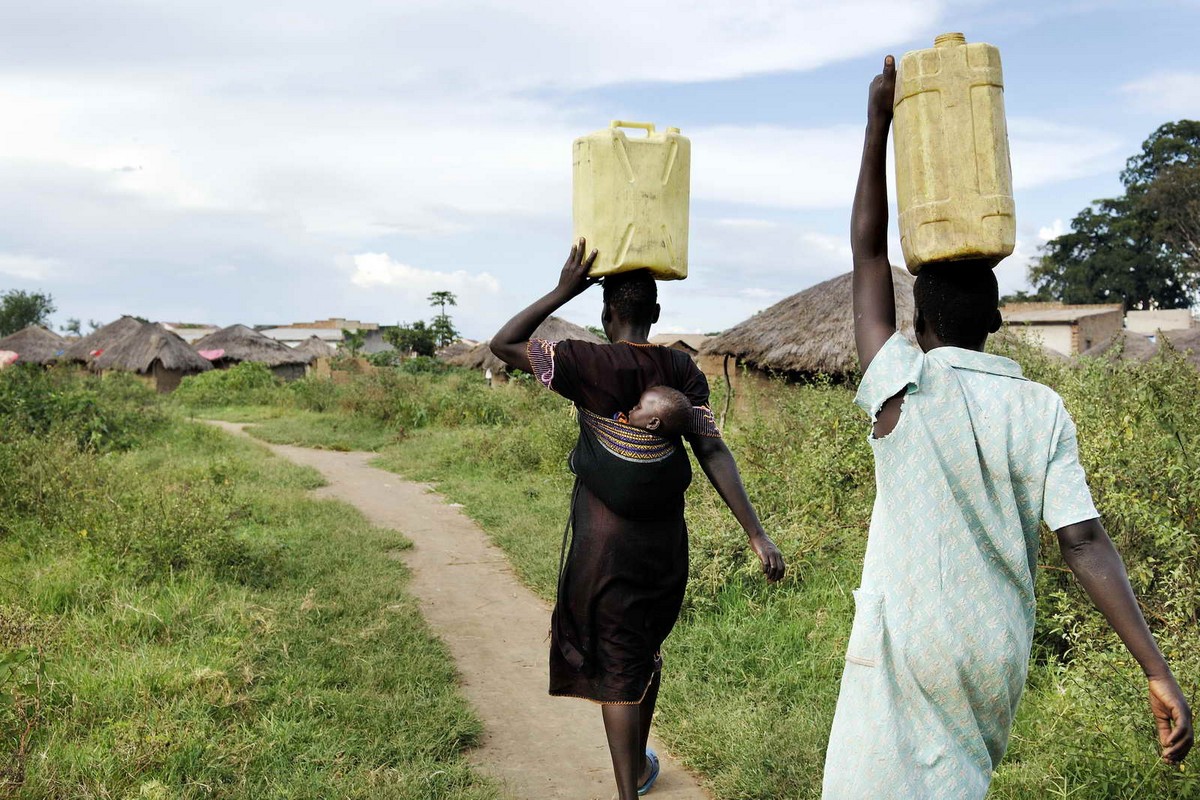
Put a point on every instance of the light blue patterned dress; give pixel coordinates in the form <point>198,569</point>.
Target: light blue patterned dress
<point>939,648</point>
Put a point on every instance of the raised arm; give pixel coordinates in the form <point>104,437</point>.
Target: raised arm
<point>511,342</point>
<point>1092,557</point>
<point>718,464</point>
<point>874,300</point>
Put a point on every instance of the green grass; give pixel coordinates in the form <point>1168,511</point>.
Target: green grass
<point>290,664</point>
<point>752,671</point>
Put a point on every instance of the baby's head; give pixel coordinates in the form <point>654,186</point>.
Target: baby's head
<point>663,411</point>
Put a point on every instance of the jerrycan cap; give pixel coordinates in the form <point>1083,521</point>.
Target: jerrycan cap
<point>949,40</point>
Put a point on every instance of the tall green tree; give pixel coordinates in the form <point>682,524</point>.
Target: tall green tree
<point>443,329</point>
<point>416,338</point>
<point>1141,249</point>
<point>354,341</point>
<point>20,309</point>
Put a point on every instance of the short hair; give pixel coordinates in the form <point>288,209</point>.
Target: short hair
<point>675,409</point>
<point>632,296</point>
<point>959,300</point>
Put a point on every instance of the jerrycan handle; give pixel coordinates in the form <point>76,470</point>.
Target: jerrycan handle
<point>646,126</point>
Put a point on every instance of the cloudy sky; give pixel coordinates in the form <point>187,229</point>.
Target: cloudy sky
<point>270,162</point>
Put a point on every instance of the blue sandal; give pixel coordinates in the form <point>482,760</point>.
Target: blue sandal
<point>652,757</point>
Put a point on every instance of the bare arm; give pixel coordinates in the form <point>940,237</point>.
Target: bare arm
<point>1092,557</point>
<point>511,342</point>
<point>874,298</point>
<point>722,471</point>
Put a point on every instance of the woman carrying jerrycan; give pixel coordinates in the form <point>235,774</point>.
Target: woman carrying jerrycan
<point>622,584</point>
<point>970,457</point>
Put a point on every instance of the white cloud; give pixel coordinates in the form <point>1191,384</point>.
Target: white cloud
<point>1047,152</point>
<point>373,270</point>
<point>28,268</point>
<point>1171,93</point>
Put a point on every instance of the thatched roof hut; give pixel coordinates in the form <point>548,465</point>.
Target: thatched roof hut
<point>455,350</point>
<point>1126,345</point>
<point>315,347</point>
<point>237,343</point>
<point>553,329</point>
<point>35,345</point>
<point>100,339</point>
<point>155,353</point>
<point>809,333</point>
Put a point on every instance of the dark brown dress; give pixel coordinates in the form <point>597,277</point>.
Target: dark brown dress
<point>626,569</point>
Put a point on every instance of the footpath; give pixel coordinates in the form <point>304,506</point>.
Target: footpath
<point>537,746</point>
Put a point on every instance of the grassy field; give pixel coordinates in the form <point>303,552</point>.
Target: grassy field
<point>751,670</point>
<point>180,620</point>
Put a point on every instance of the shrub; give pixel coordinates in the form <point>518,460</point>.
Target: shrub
<point>240,385</point>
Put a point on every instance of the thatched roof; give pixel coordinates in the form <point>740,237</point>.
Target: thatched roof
<point>35,344</point>
<point>246,344</point>
<point>553,329</point>
<point>100,339</point>
<point>138,351</point>
<point>1131,346</point>
<point>810,332</point>
<point>315,347</point>
<point>455,350</point>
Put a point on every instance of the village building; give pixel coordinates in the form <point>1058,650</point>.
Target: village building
<point>689,343</point>
<point>1161,319</point>
<point>35,345</point>
<point>807,334</point>
<point>330,332</point>
<point>554,329</point>
<point>84,351</point>
<point>1187,341</point>
<point>156,355</point>
<point>1066,329</point>
<point>237,343</point>
<point>315,347</point>
<point>1125,345</point>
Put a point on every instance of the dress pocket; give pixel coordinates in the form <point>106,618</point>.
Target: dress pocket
<point>866,635</point>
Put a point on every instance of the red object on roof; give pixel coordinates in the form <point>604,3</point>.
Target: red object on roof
<point>211,355</point>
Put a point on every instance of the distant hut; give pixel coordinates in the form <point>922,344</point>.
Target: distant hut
<point>99,340</point>
<point>553,329</point>
<point>1187,341</point>
<point>315,347</point>
<point>689,343</point>
<point>35,345</point>
<point>1126,345</point>
<point>454,350</point>
<point>237,343</point>
<point>155,354</point>
<point>810,333</point>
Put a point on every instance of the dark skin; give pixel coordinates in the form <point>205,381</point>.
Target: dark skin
<point>628,726</point>
<point>1085,546</point>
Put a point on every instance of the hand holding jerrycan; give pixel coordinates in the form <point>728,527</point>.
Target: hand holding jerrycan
<point>953,176</point>
<point>631,196</point>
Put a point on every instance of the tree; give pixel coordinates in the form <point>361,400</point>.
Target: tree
<point>1141,249</point>
<point>19,310</point>
<point>354,341</point>
<point>443,330</point>
<point>415,338</point>
<point>73,327</point>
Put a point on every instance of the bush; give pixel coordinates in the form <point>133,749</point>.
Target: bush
<point>241,385</point>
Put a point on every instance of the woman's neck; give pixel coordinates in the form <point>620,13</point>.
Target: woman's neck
<point>635,334</point>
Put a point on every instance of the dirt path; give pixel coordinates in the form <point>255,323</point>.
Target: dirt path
<point>540,747</point>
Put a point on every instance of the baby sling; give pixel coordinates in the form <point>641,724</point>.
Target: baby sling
<point>638,476</point>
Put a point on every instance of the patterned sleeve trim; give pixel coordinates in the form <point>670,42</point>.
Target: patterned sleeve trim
<point>704,423</point>
<point>541,358</point>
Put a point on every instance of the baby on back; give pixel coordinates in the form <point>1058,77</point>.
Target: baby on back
<point>661,410</point>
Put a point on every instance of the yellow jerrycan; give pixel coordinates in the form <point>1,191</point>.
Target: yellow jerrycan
<point>631,197</point>
<point>953,175</point>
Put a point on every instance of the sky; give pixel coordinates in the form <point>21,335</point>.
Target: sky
<point>272,162</point>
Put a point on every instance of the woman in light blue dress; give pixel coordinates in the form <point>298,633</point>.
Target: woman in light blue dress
<point>970,457</point>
